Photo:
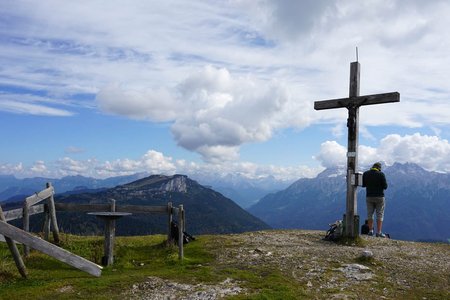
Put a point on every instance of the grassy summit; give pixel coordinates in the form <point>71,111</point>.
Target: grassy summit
<point>256,265</point>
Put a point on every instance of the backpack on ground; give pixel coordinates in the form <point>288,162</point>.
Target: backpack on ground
<point>174,234</point>
<point>335,231</point>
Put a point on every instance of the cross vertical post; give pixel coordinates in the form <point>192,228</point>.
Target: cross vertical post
<point>351,225</point>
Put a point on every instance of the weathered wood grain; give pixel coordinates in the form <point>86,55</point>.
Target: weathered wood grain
<point>358,101</point>
<point>40,196</point>
<point>74,207</point>
<point>14,214</point>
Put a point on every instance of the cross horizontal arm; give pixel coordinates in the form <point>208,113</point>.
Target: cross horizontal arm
<point>357,101</point>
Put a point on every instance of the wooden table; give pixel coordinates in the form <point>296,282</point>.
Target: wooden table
<point>109,217</point>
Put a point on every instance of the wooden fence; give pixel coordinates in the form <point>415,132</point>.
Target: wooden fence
<point>13,234</point>
<point>31,207</point>
<point>136,209</point>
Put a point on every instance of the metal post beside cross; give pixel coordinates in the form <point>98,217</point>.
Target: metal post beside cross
<point>352,103</point>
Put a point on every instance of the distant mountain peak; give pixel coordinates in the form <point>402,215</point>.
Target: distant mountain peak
<point>409,168</point>
<point>332,172</point>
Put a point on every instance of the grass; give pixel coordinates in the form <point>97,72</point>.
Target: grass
<point>354,242</point>
<point>139,257</point>
<point>136,259</point>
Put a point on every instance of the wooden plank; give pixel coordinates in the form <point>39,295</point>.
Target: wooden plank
<point>142,209</point>
<point>82,207</point>
<point>358,101</point>
<point>40,196</point>
<point>37,209</point>
<point>50,249</point>
<point>14,214</point>
<point>107,207</point>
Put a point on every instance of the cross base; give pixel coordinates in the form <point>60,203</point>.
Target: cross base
<point>347,233</point>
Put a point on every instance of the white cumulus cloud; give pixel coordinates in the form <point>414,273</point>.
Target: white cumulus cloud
<point>429,152</point>
<point>212,111</point>
<point>154,105</point>
<point>332,154</point>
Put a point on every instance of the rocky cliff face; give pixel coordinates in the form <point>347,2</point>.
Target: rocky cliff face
<point>156,184</point>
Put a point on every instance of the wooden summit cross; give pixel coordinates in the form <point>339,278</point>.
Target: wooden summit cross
<point>352,103</point>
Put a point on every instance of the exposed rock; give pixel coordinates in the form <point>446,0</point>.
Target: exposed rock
<point>176,184</point>
<point>367,254</point>
<point>155,288</point>
<point>356,271</point>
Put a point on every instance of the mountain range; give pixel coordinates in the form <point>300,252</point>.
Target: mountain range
<point>417,203</point>
<point>243,190</point>
<point>207,211</point>
<point>12,187</point>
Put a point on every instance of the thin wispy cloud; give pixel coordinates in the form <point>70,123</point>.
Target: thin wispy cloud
<point>74,150</point>
<point>32,109</point>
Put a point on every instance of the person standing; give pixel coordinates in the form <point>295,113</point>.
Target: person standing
<point>375,183</point>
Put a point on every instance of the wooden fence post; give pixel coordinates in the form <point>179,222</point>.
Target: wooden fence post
<point>180,233</point>
<point>184,220</point>
<point>110,233</point>
<point>13,249</point>
<point>46,226</point>
<point>26,226</point>
<point>170,213</point>
<point>52,212</point>
<point>112,205</point>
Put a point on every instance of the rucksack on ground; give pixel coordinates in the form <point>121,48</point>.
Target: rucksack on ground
<point>174,234</point>
<point>335,231</point>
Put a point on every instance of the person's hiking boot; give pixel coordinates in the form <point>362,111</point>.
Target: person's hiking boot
<point>382,235</point>
<point>370,233</point>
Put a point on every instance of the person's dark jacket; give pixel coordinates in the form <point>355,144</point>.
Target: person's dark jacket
<point>375,183</point>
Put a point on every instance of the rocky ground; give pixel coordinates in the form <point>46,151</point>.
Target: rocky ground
<point>376,268</point>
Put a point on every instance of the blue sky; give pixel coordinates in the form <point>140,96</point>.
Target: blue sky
<point>106,88</point>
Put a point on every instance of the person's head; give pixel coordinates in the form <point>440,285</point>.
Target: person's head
<point>377,166</point>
